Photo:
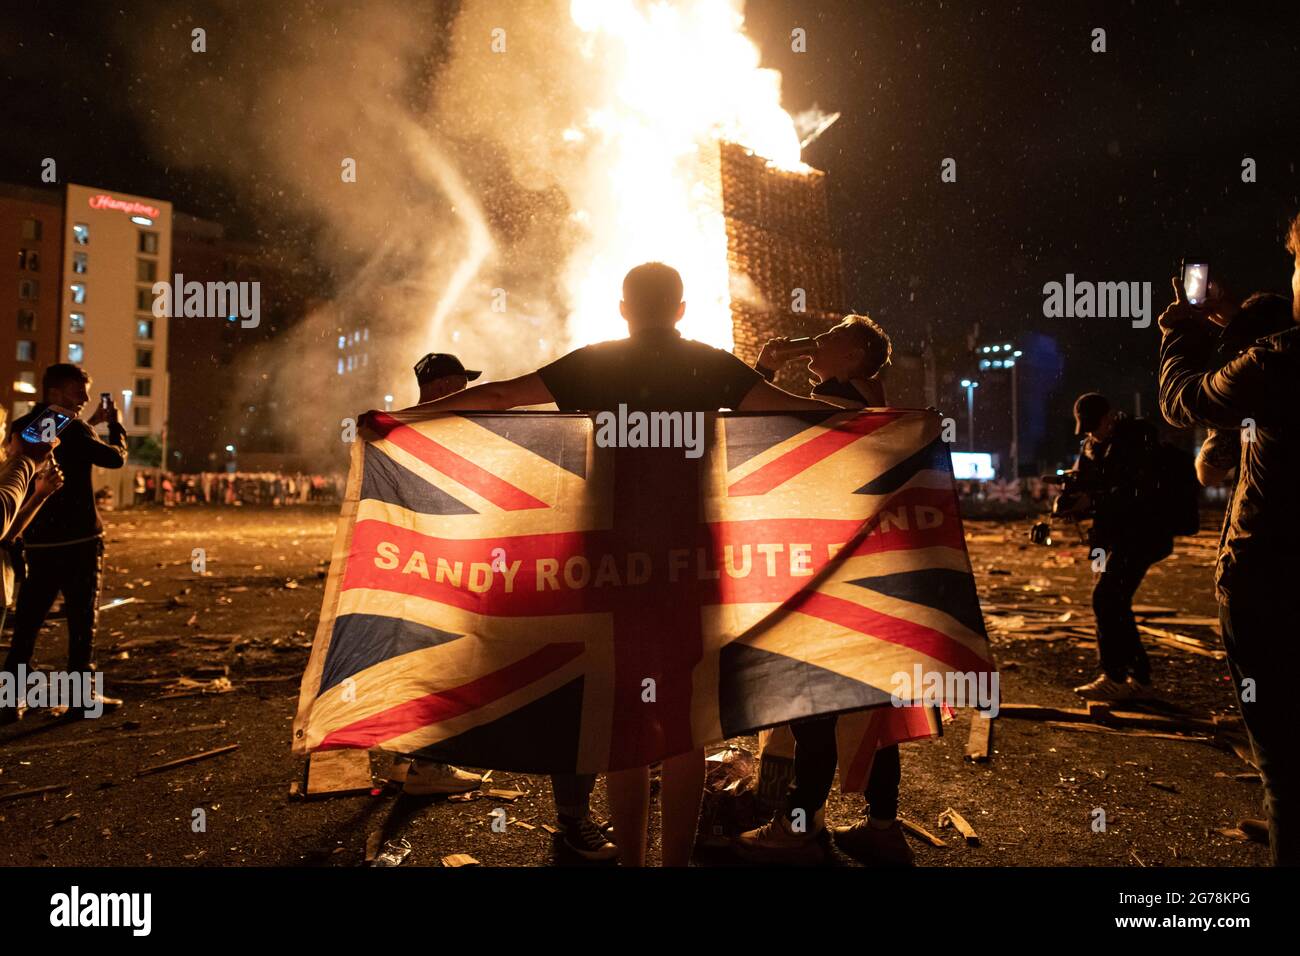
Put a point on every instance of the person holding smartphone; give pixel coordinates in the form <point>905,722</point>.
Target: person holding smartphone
<point>1258,392</point>
<point>64,542</point>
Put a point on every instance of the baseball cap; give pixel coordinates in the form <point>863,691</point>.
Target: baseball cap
<point>439,365</point>
<point>1089,409</point>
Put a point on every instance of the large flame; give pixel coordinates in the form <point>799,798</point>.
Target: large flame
<point>668,81</point>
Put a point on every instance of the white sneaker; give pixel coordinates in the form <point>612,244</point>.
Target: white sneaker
<point>426,777</point>
<point>1103,688</point>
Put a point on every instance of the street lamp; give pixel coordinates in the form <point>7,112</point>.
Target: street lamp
<point>970,385</point>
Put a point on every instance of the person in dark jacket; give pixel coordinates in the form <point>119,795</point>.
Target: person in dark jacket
<point>1261,315</point>
<point>65,541</point>
<point>1259,393</point>
<point>1117,477</point>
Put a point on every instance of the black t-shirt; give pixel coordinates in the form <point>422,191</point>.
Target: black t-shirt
<point>653,370</point>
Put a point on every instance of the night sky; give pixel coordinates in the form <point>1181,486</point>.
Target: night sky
<point>1111,166</point>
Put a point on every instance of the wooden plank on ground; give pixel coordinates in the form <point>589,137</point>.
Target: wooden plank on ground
<point>193,758</point>
<point>338,772</point>
<point>981,731</point>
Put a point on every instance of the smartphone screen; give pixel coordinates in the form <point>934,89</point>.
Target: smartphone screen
<point>1196,281</point>
<point>104,399</point>
<point>36,431</point>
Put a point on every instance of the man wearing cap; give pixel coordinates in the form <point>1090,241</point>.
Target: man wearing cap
<point>439,374</point>
<point>1117,472</point>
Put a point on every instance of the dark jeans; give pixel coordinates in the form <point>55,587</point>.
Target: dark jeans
<point>75,570</point>
<point>814,771</point>
<point>1257,634</point>
<point>1119,646</point>
<point>573,793</point>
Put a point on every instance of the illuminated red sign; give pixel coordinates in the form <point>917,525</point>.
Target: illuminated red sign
<point>130,207</point>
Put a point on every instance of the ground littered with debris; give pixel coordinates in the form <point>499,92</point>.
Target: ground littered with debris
<point>209,662</point>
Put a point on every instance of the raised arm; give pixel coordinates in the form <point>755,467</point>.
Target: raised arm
<point>1189,395</point>
<point>766,397</point>
<point>493,396</point>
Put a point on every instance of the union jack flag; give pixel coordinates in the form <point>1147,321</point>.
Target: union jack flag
<point>506,593</point>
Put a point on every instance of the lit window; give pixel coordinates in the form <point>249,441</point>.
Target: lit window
<point>340,366</point>
<point>76,321</point>
<point>144,387</point>
<point>356,336</point>
<point>25,383</point>
<point>351,362</point>
<point>146,270</point>
<point>365,334</point>
<point>28,288</point>
<point>81,234</point>
<point>149,243</point>
<point>141,413</point>
<point>80,263</point>
<point>26,350</point>
<point>78,292</point>
<point>76,353</point>
<point>343,341</point>
<point>31,229</point>
<point>144,358</point>
<point>26,320</point>
<point>144,329</point>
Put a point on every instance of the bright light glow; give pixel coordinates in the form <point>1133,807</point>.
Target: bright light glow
<point>972,465</point>
<point>230,448</point>
<point>668,83</point>
<point>142,220</point>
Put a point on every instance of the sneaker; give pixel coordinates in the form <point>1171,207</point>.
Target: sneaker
<point>426,778</point>
<point>776,842</point>
<point>871,845</point>
<point>1104,688</point>
<point>1141,691</point>
<point>582,837</point>
<point>1256,830</point>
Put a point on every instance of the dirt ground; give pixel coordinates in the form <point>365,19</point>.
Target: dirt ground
<point>249,620</point>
